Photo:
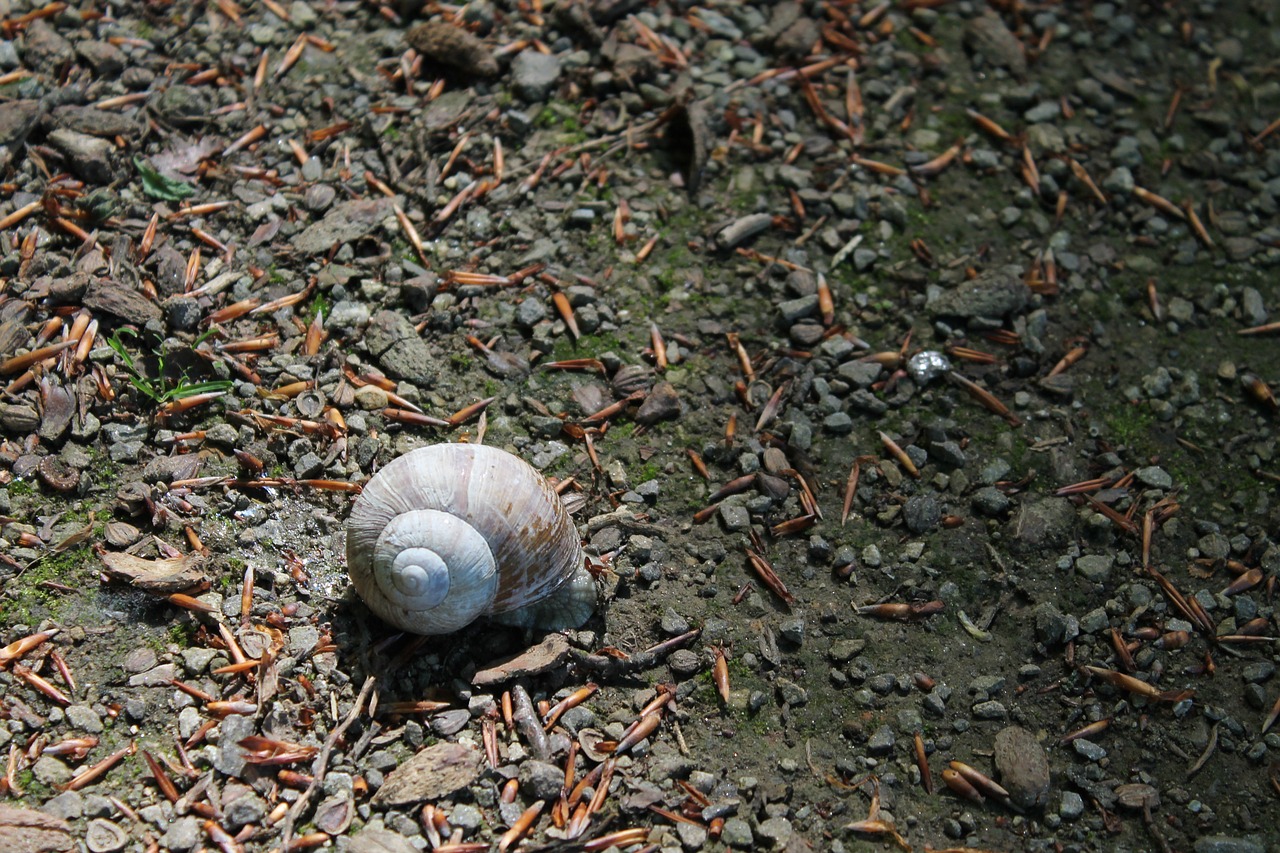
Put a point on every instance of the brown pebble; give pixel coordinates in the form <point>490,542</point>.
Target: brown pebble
<point>453,46</point>
<point>1023,766</point>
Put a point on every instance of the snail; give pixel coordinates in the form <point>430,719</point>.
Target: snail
<point>448,533</point>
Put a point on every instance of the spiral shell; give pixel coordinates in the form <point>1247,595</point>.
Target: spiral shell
<point>451,532</point>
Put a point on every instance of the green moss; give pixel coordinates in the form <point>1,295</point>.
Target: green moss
<point>648,471</point>
<point>1130,425</point>
<point>20,489</point>
<point>587,345</point>
<point>181,633</point>
<point>27,601</point>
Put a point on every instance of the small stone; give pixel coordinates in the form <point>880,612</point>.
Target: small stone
<point>541,781</point>
<point>673,624</point>
<point>1071,806</point>
<point>1227,844</point>
<point>881,741</point>
<point>230,757</point>
<point>1095,567</point>
<point>684,663</point>
<point>1154,476</point>
<point>450,722</point>
<point>183,834</point>
<point>735,517</point>
<point>994,294</point>
<point>792,694</point>
<point>737,833</point>
<point>663,403</point>
<point>990,501</point>
<point>84,718</point>
<point>139,660</point>
<point>1088,750</point>
<point>51,771</point>
<point>451,45</point>
<point>69,805</point>
<point>922,513</point>
<point>776,832</point>
<point>534,74</point>
<point>989,710</point>
<point>1023,766</point>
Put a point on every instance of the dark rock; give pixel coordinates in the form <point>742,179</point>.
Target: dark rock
<point>373,839</point>
<point>797,39</point>
<point>94,121</point>
<point>44,50</point>
<point>663,403</point>
<point>184,105</point>
<point>922,513</point>
<point>393,340</point>
<point>990,501</point>
<point>16,120</point>
<point>103,57</point>
<point>88,156</point>
<point>434,773</point>
<point>987,35</point>
<point>1043,523</point>
<point>1053,628</point>
<point>995,293</point>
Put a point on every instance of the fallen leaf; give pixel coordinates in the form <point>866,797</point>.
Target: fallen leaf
<point>164,576</point>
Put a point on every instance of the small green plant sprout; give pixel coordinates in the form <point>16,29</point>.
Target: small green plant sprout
<point>160,389</point>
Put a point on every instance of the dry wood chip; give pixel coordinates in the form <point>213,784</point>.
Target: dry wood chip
<point>544,657</point>
<point>30,831</point>
<point>433,773</point>
<point>105,296</point>
<point>376,840</point>
<point>164,576</point>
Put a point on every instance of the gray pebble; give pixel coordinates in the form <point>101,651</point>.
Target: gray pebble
<point>450,722</point>
<point>1095,567</point>
<point>1227,844</point>
<point>989,710</point>
<point>673,624</point>
<point>540,780</point>
<point>922,513</point>
<point>1071,806</point>
<point>881,741</point>
<point>84,718</point>
<point>737,833</point>
<point>183,834</point>
<point>1023,766</point>
<point>68,805</point>
<point>684,663</point>
<point>990,501</point>
<point>791,693</point>
<point>1088,750</point>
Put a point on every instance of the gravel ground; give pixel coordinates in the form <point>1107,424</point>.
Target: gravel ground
<point>908,368</point>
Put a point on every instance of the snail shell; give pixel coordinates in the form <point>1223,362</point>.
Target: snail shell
<point>451,532</point>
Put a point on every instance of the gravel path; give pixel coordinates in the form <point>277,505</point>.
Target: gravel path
<point>907,368</point>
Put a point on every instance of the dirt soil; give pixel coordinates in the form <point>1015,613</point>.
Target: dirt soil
<point>908,368</point>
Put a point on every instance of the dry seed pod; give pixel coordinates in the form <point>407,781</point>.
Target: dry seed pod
<point>631,378</point>
<point>449,533</point>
